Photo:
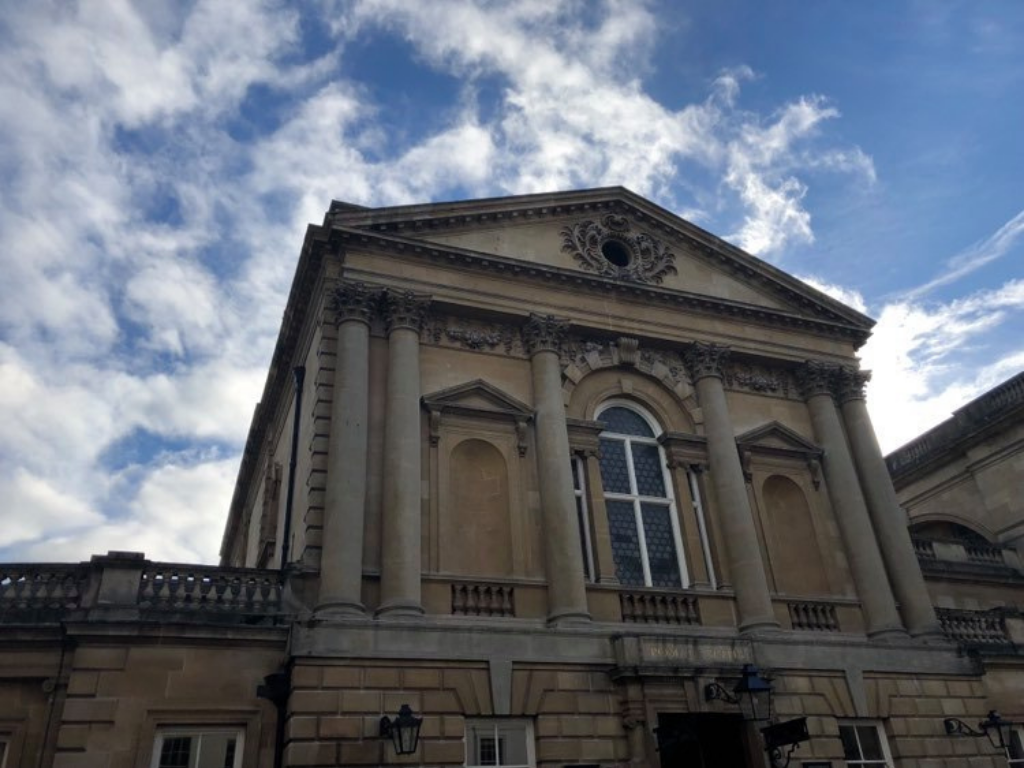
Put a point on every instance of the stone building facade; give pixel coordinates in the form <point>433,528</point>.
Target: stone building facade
<point>542,468</point>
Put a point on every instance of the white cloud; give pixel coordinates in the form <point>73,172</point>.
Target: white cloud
<point>916,383</point>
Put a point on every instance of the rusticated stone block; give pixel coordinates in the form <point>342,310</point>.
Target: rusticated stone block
<point>101,658</point>
<point>302,753</point>
<point>377,677</point>
<point>440,702</point>
<point>90,710</point>
<point>342,677</point>
<point>313,701</point>
<point>441,752</point>
<point>360,701</point>
<point>73,737</point>
<point>421,678</point>
<point>83,683</point>
<point>361,752</point>
<point>301,727</point>
<point>306,677</point>
<point>341,727</point>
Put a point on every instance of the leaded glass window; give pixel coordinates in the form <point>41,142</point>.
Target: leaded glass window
<point>642,518</point>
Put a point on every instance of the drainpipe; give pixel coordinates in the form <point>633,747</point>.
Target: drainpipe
<point>276,689</point>
<point>300,375</point>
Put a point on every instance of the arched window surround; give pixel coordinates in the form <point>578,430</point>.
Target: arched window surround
<point>617,501</point>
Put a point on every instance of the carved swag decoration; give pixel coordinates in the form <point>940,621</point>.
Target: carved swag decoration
<point>649,261</point>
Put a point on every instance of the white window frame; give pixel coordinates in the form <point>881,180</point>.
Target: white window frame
<point>886,762</point>
<point>1016,762</point>
<point>583,515</point>
<point>482,723</point>
<point>702,525</point>
<point>165,732</point>
<point>634,496</point>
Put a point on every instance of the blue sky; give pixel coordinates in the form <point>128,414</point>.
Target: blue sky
<point>160,162</point>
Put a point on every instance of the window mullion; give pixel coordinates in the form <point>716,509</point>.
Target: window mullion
<point>645,562</point>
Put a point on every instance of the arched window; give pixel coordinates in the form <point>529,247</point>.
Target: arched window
<point>642,517</point>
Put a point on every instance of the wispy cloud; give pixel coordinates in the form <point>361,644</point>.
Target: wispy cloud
<point>978,255</point>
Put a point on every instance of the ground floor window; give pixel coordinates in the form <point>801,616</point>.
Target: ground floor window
<point>864,744</point>
<point>1015,752</point>
<point>186,748</point>
<point>499,742</point>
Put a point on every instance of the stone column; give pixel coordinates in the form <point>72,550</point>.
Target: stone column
<point>400,587</point>
<point>567,594</point>
<point>880,615</point>
<point>753,602</point>
<point>886,515</point>
<point>341,562</point>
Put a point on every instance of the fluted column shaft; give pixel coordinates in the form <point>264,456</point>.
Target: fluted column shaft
<point>880,614</point>
<point>400,588</point>
<point>341,565</point>
<point>886,515</point>
<point>746,566</point>
<point>567,594</point>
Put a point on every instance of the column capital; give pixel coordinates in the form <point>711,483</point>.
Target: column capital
<point>544,333</point>
<point>352,300</point>
<point>852,382</point>
<point>703,359</point>
<point>815,377</point>
<point>404,309</point>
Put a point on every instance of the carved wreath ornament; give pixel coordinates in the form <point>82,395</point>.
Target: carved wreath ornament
<point>610,248</point>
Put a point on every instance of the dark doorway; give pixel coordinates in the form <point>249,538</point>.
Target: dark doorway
<point>702,741</point>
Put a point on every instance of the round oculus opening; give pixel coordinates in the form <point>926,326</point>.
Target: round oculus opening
<point>616,252</point>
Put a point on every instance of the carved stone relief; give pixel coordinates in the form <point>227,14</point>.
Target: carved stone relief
<point>475,335</point>
<point>611,248</point>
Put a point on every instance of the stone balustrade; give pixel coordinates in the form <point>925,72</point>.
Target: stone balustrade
<point>813,616</point>
<point>30,589</point>
<point>193,588</point>
<point>936,555</point>
<point>126,586</point>
<point>476,599</point>
<point>649,607</point>
<point>977,630</point>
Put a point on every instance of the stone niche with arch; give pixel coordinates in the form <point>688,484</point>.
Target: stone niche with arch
<point>803,550</point>
<point>479,524</point>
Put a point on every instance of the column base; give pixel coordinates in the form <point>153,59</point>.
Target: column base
<point>889,634</point>
<point>400,609</point>
<point>757,626</point>
<point>340,609</point>
<point>932,634</point>
<point>569,619</point>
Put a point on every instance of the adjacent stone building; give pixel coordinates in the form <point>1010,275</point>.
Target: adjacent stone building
<point>544,469</point>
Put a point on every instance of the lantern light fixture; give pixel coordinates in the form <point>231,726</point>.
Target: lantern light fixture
<point>752,693</point>
<point>403,730</point>
<point>993,726</point>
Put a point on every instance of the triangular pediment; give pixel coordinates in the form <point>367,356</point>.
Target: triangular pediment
<point>479,397</point>
<point>776,437</point>
<point>568,232</point>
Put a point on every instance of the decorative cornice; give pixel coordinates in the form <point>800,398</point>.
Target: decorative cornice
<point>544,333</point>
<point>648,260</point>
<point>404,309</point>
<point>832,326</point>
<point>704,360</point>
<point>352,300</point>
<point>851,383</point>
<point>817,378</point>
<point>412,220</point>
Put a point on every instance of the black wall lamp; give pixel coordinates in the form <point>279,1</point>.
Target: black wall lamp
<point>752,693</point>
<point>993,726</point>
<point>403,730</point>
